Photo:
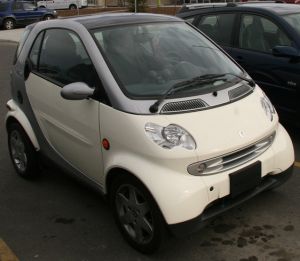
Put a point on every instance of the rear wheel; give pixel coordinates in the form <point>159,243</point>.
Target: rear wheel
<point>22,152</point>
<point>72,7</point>
<point>137,214</point>
<point>9,24</point>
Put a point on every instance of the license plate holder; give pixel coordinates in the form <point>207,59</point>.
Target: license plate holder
<point>245,179</point>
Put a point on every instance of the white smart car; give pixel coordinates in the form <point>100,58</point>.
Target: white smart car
<point>149,110</point>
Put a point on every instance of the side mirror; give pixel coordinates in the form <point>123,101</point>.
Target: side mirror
<point>286,51</point>
<point>76,91</point>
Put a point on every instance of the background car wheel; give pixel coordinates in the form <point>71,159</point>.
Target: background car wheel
<point>48,17</point>
<point>72,7</point>
<point>22,152</point>
<point>9,24</point>
<point>137,214</point>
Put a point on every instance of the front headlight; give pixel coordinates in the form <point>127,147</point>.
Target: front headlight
<point>268,107</point>
<point>170,136</point>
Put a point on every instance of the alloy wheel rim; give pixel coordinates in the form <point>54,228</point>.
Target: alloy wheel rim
<point>18,153</point>
<point>134,214</point>
<point>9,24</point>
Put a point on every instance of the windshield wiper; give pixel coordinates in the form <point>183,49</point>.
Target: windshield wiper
<point>249,81</point>
<point>202,79</point>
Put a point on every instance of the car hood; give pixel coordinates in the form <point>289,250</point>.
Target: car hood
<point>218,131</point>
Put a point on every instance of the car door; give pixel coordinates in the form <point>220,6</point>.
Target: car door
<point>32,14</point>
<point>19,12</point>
<point>218,26</point>
<point>278,76</point>
<point>57,58</point>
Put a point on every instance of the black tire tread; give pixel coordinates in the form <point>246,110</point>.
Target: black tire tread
<point>32,169</point>
<point>160,225</point>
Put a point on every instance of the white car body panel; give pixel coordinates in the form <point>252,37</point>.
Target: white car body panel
<point>180,195</point>
<point>71,127</point>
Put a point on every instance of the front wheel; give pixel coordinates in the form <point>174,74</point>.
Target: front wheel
<point>72,7</point>
<point>137,214</point>
<point>22,152</point>
<point>9,24</point>
<point>48,17</point>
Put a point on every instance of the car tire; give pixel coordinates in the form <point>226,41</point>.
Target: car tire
<point>48,17</point>
<point>72,7</point>
<point>137,214</point>
<point>9,24</point>
<point>22,153</point>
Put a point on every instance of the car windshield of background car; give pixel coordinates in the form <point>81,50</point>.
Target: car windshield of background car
<point>148,59</point>
<point>293,20</point>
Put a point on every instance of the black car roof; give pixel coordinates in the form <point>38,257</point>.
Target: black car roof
<point>104,20</point>
<point>278,8</point>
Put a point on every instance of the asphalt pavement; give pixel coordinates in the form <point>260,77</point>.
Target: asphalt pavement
<point>55,218</point>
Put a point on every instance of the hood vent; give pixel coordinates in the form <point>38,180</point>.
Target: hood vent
<point>239,92</point>
<point>182,106</point>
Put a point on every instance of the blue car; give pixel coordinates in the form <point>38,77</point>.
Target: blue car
<point>264,38</point>
<point>15,13</point>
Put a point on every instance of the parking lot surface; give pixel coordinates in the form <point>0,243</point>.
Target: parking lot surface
<point>57,218</point>
<point>11,35</point>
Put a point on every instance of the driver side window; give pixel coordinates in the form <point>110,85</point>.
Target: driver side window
<point>63,59</point>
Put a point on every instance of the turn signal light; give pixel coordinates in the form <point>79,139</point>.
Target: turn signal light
<point>105,144</point>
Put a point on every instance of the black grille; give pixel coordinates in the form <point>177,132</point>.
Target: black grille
<point>239,92</point>
<point>188,105</point>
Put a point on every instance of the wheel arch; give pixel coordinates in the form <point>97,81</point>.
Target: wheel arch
<point>113,174</point>
<point>116,172</point>
<point>15,114</point>
<point>72,5</point>
<point>9,17</point>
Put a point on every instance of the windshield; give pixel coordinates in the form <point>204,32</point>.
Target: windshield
<point>293,20</point>
<point>148,59</point>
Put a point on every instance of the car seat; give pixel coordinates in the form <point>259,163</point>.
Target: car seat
<point>253,36</point>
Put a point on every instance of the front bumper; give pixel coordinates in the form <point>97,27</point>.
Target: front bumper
<point>226,203</point>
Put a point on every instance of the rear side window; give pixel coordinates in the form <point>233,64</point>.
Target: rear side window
<point>3,7</point>
<point>218,27</point>
<point>17,6</point>
<point>260,34</point>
